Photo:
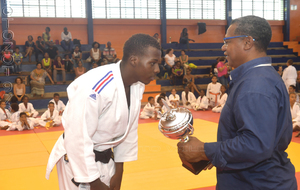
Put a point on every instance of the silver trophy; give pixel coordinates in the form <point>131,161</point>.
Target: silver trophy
<point>178,124</point>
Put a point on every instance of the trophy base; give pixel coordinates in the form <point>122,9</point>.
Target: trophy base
<point>195,167</point>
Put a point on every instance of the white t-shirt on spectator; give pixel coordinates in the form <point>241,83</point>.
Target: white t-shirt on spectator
<point>171,60</point>
<point>66,37</point>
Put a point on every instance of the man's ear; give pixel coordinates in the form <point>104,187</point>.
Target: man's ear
<point>248,43</point>
<point>133,60</point>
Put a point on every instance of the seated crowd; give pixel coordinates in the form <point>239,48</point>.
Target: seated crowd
<point>23,116</point>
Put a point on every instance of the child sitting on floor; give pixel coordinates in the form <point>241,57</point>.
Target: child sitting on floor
<point>221,100</point>
<point>24,123</point>
<point>15,116</point>
<point>188,98</point>
<point>50,118</point>
<point>27,107</point>
<point>4,116</point>
<point>213,91</point>
<point>292,89</point>
<point>161,107</point>
<point>58,104</point>
<point>202,102</point>
<point>149,110</point>
<point>174,99</point>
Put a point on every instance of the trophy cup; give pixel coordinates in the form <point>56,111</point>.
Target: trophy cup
<point>178,124</point>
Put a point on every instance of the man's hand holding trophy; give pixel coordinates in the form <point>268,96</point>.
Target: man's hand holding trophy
<point>178,124</point>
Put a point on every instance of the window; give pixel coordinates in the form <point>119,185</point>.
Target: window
<point>47,8</point>
<point>127,9</point>
<point>196,9</point>
<point>268,9</point>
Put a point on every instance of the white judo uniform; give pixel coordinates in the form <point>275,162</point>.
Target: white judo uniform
<point>295,111</point>
<point>60,106</point>
<point>30,109</point>
<point>289,76</point>
<point>191,99</point>
<point>166,99</point>
<point>55,118</point>
<point>213,92</point>
<point>4,115</point>
<point>14,118</point>
<point>21,127</point>
<point>201,103</point>
<point>148,111</point>
<point>96,117</point>
<point>221,102</point>
<point>174,97</point>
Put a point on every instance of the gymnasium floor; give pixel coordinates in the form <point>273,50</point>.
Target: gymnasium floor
<point>24,155</point>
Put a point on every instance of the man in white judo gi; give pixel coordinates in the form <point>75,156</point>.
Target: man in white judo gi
<point>102,113</point>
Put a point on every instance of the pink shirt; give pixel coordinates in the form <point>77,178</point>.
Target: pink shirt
<point>221,73</point>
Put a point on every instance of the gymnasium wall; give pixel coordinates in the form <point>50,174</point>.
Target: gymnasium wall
<point>295,21</point>
<point>119,30</point>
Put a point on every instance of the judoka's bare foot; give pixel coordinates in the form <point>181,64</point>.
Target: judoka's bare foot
<point>4,128</point>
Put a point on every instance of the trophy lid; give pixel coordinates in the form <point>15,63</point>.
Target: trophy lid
<point>175,119</point>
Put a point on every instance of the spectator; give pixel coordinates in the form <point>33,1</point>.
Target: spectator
<point>170,59</point>
<point>95,65</point>
<point>47,64</point>
<point>80,70</point>
<point>214,70</point>
<point>189,80</point>
<point>177,73</point>
<point>223,71</point>
<point>19,89</point>
<point>298,82</point>
<point>52,50</point>
<point>18,59</point>
<point>95,53</point>
<point>46,36</point>
<point>59,66</point>
<point>110,54</point>
<point>280,71</point>
<point>76,56</point>
<point>156,36</point>
<point>66,42</point>
<point>37,82</point>
<point>10,41</point>
<point>7,60</point>
<point>40,48</point>
<point>68,63</point>
<point>289,75</point>
<point>184,38</point>
<point>29,45</point>
<point>184,60</point>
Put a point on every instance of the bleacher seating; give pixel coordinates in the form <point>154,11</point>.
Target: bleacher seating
<point>201,54</point>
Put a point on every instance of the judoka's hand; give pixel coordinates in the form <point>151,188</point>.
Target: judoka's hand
<point>115,181</point>
<point>192,151</point>
<point>98,185</point>
<point>209,167</point>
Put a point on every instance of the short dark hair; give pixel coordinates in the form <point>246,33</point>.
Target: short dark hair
<point>14,106</point>
<point>13,99</point>
<point>94,44</point>
<point>293,86</point>
<point>150,98</point>
<point>159,98</point>
<point>19,78</point>
<point>162,94</point>
<point>290,61</point>
<point>48,28</point>
<point>289,94</point>
<point>214,76</point>
<point>2,101</point>
<point>23,113</point>
<point>24,97</point>
<point>39,37</point>
<point>38,63</point>
<point>55,94</point>
<point>222,58</point>
<point>17,47</point>
<point>256,27</point>
<point>168,50</point>
<point>137,45</point>
<point>183,50</point>
<point>224,86</point>
<point>50,103</point>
